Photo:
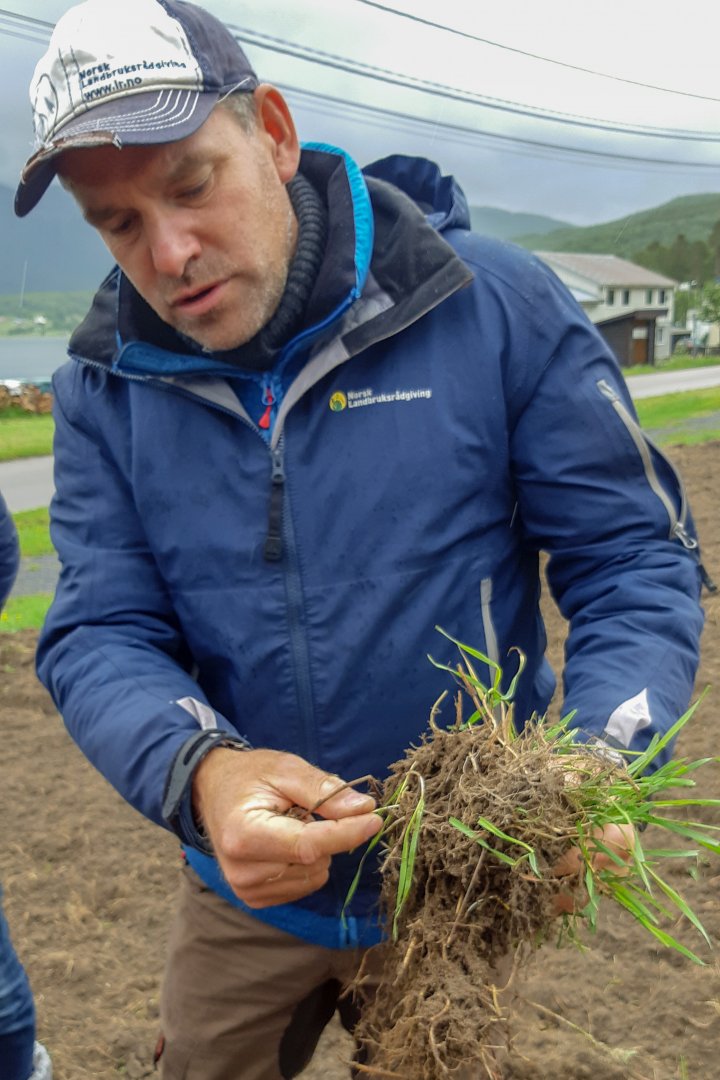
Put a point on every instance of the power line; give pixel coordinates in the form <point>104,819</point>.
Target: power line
<point>28,19</point>
<point>283,46</point>
<point>634,160</point>
<point>531,55</point>
<point>17,34</point>
<point>387,75</point>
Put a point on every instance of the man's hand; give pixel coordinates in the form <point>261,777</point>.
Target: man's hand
<point>619,839</point>
<point>267,856</point>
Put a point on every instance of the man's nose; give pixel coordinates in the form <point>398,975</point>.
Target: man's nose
<point>172,243</point>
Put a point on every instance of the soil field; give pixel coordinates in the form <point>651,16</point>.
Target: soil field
<point>89,886</point>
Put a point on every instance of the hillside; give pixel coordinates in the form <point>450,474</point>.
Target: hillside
<point>52,248</point>
<point>506,224</point>
<point>691,215</point>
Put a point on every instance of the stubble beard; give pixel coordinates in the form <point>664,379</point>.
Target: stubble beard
<point>260,299</point>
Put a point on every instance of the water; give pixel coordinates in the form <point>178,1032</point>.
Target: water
<point>31,359</point>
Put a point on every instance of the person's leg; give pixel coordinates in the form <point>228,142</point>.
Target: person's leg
<point>17,1012</point>
<point>241,999</point>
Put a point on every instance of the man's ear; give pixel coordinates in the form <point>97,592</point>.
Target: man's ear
<point>276,123</point>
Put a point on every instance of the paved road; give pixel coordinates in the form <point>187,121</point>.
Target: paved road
<point>672,382</point>
<point>27,483</point>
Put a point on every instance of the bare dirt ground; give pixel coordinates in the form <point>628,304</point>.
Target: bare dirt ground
<point>89,886</point>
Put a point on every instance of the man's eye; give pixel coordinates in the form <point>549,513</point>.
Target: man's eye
<point>196,190</point>
<point>120,228</point>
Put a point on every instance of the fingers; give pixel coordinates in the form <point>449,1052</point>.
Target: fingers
<point>267,854</point>
<point>619,840</point>
<point>279,859</point>
<point>317,791</point>
<point>264,884</point>
<point>266,836</point>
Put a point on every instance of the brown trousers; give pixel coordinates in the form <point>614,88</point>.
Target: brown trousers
<point>242,1000</point>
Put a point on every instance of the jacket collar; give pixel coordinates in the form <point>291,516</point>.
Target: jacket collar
<point>373,227</point>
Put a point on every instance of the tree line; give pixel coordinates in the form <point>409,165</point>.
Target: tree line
<point>695,261</point>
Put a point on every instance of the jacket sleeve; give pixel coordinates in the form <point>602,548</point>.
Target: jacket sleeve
<point>111,652</point>
<point>9,552</point>
<point>611,512</point>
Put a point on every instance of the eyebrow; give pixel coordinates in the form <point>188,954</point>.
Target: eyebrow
<point>99,217</point>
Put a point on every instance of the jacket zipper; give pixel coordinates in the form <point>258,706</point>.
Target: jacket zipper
<point>678,527</point>
<point>273,550</point>
<point>677,520</point>
<point>268,401</point>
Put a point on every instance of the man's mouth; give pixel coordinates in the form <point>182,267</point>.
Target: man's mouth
<point>199,300</point>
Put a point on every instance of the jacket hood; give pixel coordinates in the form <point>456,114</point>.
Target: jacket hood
<point>440,198</point>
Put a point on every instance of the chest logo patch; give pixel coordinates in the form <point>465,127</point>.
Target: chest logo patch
<point>355,399</point>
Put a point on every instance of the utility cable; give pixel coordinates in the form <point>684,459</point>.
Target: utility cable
<point>386,75</point>
<point>531,55</point>
<point>344,106</point>
<point>442,90</point>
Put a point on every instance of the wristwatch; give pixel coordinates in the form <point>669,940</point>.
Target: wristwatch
<point>177,809</point>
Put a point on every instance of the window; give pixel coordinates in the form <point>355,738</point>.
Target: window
<point>648,296</point>
<point>626,297</point>
<point>661,296</point>
<point>610,297</point>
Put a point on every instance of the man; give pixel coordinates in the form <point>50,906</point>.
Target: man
<point>308,418</point>
<point>21,1056</point>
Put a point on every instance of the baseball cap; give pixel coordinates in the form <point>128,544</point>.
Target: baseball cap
<point>127,71</point>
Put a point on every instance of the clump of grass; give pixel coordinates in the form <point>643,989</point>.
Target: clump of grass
<point>477,820</point>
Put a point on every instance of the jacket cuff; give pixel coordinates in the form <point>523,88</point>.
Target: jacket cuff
<point>177,809</point>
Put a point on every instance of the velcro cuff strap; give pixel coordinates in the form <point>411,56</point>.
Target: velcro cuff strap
<point>177,798</point>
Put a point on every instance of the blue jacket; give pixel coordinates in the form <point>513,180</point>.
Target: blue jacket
<point>447,413</point>
<point>9,552</point>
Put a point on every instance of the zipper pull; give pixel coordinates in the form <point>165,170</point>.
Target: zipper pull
<point>688,542</point>
<point>268,401</point>
<point>273,541</point>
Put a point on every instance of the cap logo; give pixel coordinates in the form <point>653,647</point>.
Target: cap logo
<point>45,108</point>
<point>150,56</point>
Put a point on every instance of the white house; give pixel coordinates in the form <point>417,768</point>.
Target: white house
<point>631,306</point>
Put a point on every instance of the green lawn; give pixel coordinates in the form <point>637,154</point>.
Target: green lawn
<point>24,434</point>
<point>28,612</point>
<point>32,527</point>
<point>24,613</point>
<point>676,363</point>
<point>686,408</point>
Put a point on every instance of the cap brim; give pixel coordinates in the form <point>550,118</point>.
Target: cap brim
<point>152,117</point>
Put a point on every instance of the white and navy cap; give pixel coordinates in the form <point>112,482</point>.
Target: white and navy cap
<point>135,72</point>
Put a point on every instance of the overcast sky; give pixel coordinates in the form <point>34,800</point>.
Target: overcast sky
<point>487,148</point>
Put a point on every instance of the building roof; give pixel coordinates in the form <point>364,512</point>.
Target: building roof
<point>582,295</point>
<point>635,315</point>
<point>606,269</point>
